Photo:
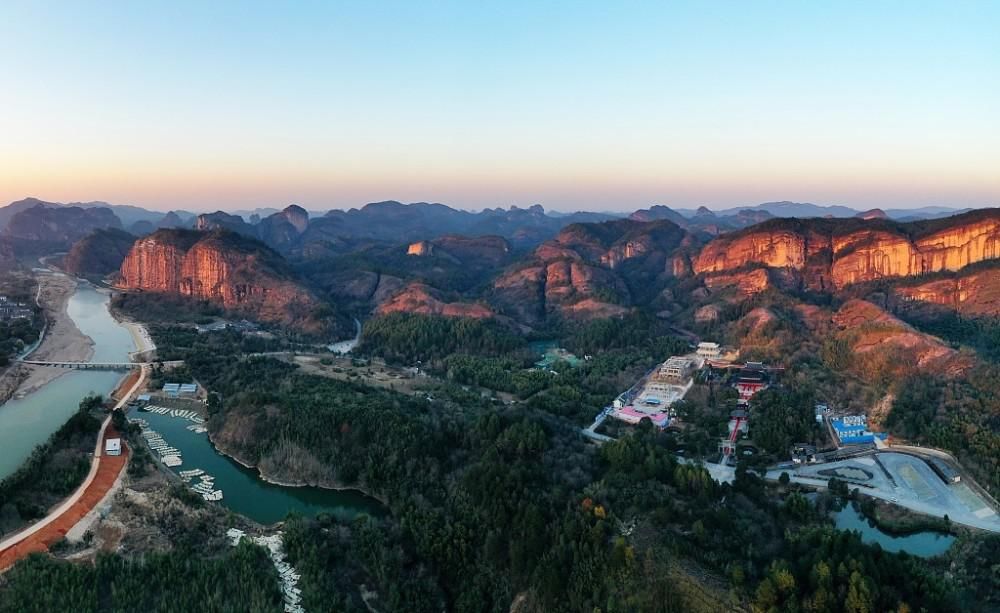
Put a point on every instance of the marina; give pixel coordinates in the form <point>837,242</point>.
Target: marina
<point>199,481</point>
<point>218,478</point>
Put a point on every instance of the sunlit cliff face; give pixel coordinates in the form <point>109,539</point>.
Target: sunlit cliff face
<point>974,293</point>
<point>207,269</point>
<point>862,255</point>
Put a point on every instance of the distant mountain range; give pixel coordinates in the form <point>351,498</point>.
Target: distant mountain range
<point>807,209</point>
<point>524,266</point>
<point>32,226</point>
<point>395,221</point>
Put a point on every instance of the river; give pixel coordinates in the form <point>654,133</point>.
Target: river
<point>30,421</point>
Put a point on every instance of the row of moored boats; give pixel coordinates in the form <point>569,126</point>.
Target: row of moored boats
<point>181,413</point>
<point>199,481</point>
<point>169,455</point>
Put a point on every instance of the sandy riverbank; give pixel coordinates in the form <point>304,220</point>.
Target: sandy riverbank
<point>63,340</point>
<point>144,345</point>
<point>140,336</point>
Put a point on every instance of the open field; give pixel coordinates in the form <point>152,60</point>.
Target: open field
<point>376,374</point>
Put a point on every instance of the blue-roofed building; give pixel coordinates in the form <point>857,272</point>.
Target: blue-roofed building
<point>853,429</point>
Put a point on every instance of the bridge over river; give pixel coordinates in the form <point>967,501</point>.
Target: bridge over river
<point>97,365</point>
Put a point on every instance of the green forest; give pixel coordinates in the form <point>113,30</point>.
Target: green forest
<point>492,502</point>
<point>181,581</point>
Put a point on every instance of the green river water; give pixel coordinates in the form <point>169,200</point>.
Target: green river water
<point>29,421</point>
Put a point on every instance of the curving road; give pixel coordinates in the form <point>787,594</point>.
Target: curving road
<point>42,533</point>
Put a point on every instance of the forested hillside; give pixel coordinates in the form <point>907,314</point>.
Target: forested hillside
<point>493,503</point>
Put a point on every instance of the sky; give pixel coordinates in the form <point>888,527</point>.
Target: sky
<point>573,105</point>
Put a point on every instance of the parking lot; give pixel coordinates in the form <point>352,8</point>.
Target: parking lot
<point>908,481</point>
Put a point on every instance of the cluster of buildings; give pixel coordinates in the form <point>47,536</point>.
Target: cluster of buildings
<point>750,379</point>
<point>10,309</point>
<point>655,394</point>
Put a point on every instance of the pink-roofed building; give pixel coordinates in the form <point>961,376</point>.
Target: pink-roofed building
<point>629,415</point>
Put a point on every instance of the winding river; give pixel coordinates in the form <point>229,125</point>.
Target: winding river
<point>29,421</point>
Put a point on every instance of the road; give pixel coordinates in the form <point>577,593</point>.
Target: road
<point>93,489</point>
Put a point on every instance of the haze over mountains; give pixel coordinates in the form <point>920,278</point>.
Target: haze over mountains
<point>416,220</point>
<point>524,266</point>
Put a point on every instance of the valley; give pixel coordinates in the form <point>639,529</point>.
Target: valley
<point>499,307</point>
<point>443,419</point>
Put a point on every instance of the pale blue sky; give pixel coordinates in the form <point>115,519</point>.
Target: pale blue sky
<point>573,105</point>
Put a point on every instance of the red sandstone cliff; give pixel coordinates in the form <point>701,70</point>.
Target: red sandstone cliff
<point>971,293</point>
<point>235,272</point>
<point>840,252</point>
<point>585,272</point>
<point>422,299</point>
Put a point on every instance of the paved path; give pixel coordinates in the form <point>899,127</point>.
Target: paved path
<point>38,537</point>
<point>104,471</point>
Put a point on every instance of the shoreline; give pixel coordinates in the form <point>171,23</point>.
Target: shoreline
<point>140,334</point>
<point>62,340</point>
<point>275,481</point>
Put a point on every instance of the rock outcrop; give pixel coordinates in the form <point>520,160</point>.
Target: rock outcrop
<point>282,230</point>
<point>420,248</point>
<point>746,283</point>
<point>972,293</point>
<point>881,343</point>
<point>586,271</point>
<point>239,274</point>
<point>424,300</point>
<point>221,220</point>
<point>830,253</point>
<point>172,220</point>
<point>483,250</point>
